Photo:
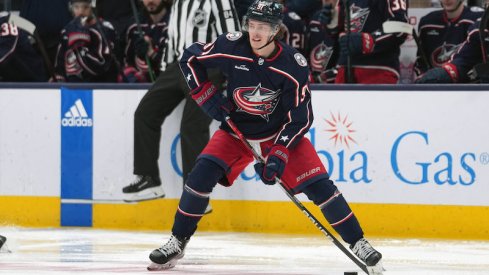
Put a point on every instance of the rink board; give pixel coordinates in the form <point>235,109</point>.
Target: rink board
<point>411,162</point>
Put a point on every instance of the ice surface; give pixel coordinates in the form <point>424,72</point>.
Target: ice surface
<point>89,251</point>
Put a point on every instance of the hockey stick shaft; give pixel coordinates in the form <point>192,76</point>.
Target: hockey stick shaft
<point>292,197</point>
<point>348,71</point>
<point>141,35</point>
<point>483,34</point>
<point>424,56</point>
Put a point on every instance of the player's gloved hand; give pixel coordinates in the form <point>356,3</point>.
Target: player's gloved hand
<point>356,43</point>
<point>326,14</point>
<point>141,47</point>
<point>274,166</point>
<point>211,101</point>
<point>446,74</point>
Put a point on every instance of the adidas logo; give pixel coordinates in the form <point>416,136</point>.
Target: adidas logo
<point>77,116</point>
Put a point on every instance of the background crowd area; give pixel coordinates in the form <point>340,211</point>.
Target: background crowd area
<point>64,48</point>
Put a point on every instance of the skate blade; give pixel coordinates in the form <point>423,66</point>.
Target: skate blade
<point>146,195</point>
<point>377,269</point>
<point>160,267</point>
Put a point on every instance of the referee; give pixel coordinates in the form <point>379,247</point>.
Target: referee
<point>190,21</point>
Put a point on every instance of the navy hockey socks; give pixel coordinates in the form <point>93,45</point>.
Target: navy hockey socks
<point>335,209</point>
<point>195,197</point>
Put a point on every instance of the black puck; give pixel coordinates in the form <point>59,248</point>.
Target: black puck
<point>351,273</point>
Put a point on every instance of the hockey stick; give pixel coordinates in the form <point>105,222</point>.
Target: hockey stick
<point>348,71</point>
<point>483,34</point>
<point>29,27</point>
<point>94,201</point>
<point>292,197</point>
<point>140,31</point>
<point>403,27</point>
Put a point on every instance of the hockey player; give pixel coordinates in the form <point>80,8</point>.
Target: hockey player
<point>85,51</point>
<point>268,98</point>
<point>294,29</point>
<point>465,65</point>
<point>373,53</point>
<point>322,43</point>
<point>154,24</point>
<point>19,60</point>
<point>442,32</point>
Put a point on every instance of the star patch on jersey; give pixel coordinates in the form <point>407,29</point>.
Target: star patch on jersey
<point>233,36</point>
<point>258,101</point>
<point>301,60</point>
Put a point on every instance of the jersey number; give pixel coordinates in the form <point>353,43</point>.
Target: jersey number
<point>9,29</point>
<point>297,40</point>
<point>399,5</point>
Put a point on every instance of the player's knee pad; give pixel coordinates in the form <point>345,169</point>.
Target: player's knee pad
<point>195,196</point>
<point>200,183</point>
<point>325,195</point>
<point>335,209</point>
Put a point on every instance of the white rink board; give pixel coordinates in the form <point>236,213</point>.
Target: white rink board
<point>454,124</point>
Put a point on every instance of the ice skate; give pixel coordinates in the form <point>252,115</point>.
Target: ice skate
<point>3,245</point>
<point>167,256</point>
<point>143,188</point>
<point>371,257</point>
<point>208,209</point>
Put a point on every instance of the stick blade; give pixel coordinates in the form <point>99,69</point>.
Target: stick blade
<point>22,23</point>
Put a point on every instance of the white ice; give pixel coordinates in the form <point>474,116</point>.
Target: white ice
<point>89,251</point>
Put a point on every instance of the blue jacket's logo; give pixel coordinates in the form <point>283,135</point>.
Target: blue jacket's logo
<point>257,100</point>
<point>77,116</point>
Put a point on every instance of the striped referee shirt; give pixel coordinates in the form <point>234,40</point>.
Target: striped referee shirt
<point>197,20</point>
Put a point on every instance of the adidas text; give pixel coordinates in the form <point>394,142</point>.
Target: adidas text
<point>76,122</point>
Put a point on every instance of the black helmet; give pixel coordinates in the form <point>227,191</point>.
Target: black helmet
<point>264,11</point>
<point>86,1</point>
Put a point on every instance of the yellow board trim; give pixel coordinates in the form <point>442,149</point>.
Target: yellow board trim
<point>377,220</point>
<point>30,211</point>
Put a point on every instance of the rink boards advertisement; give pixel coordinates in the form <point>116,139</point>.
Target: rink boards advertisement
<point>408,154</point>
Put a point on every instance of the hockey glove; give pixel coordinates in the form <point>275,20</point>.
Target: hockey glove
<point>141,47</point>
<point>326,14</point>
<point>356,43</point>
<point>274,166</point>
<point>211,101</point>
<point>446,74</point>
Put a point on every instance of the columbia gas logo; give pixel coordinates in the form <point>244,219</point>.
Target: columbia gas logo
<point>76,116</point>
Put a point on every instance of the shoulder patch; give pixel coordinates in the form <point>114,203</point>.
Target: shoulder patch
<point>107,24</point>
<point>233,36</point>
<point>476,9</point>
<point>294,16</point>
<point>301,60</point>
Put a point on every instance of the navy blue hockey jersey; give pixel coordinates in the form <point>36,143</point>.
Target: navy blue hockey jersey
<point>368,16</point>
<point>441,37</point>
<point>19,59</point>
<point>323,51</point>
<point>90,61</point>
<point>470,52</point>
<point>295,31</point>
<point>158,34</point>
<point>271,95</point>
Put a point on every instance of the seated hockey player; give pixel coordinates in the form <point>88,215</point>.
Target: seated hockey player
<point>373,53</point>
<point>322,43</point>
<point>468,64</point>
<point>269,100</point>
<point>85,51</point>
<point>19,59</point>
<point>147,47</point>
<point>442,32</point>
